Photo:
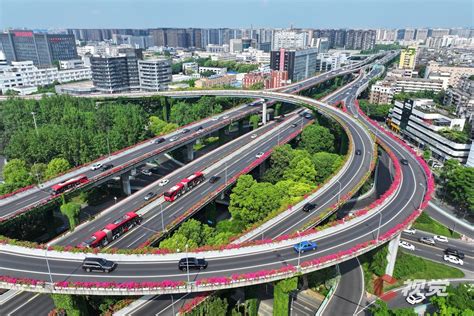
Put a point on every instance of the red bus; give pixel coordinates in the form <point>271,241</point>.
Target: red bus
<point>69,184</point>
<point>184,186</point>
<point>112,231</point>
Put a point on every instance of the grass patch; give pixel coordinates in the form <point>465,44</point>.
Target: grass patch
<point>427,224</point>
<point>412,267</point>
<point>205,142</point>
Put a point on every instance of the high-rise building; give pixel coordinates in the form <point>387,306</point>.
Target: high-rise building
<point>438,32</point>
<point>115,74</point>
<point>41,49</point>
<point>300,63</point>
<point>407,58</point>
<point>289,39</point>
<point>409,35</point>
<point>421,35</point>
<point>154,74</point>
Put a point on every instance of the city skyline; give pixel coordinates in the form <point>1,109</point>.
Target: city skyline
<point>212,13</point>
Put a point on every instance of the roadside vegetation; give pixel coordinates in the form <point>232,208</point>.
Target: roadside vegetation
<point>425,223</point>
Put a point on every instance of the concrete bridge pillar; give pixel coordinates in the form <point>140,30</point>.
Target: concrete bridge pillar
<point>190,151</point>
<point>241,126</point>
<point>261,169</point>
<point>125,183</point>
<point>392,255</point>
<point>264,113</point>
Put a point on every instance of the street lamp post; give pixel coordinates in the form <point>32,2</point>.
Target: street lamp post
<point>423,196</point>
<point>172,303</point>
<point>380,224</point>
<point>187,263</point>
<point>47,264</point>
<point>34,121</point>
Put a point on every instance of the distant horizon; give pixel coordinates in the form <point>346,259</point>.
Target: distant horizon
<point>315,14</point>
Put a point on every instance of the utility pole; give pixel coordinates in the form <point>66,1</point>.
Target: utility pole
<point>34,121</point>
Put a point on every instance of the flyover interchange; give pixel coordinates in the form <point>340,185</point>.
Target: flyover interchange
<point>224,264</point>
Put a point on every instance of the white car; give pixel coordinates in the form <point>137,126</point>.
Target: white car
<point>410,231</point>
<point>259,155</point>
<point>215,118</point>
<point>406,245</point>
<point>225,117</point>
<point>427,240</point>
<point>253,136</point>
<point>415,298</point>
<point>163,182</point>
<point>172,139</point>
<point>440,238</point>
<point>146,172</point>
<point>96,166</point>
<point>453,259</point>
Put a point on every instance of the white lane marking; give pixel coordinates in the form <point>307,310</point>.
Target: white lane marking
<point>136,240</point>
<point>28,301</point>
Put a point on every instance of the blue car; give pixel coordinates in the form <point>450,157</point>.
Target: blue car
<point>305,246</point>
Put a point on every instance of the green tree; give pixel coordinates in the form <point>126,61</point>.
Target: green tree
<point>301,170</point>
<point>38,172</point>
<point>55,167</point>
<point>254,120</point>
<point>280,161</point>
<point>460,187</point>
<point>211,306</point>
<point>317,138</point>
<point>379,260</point>
<point>257,86</point>
<point>427,154</point>
<point>16,175</point>
<point>159,127</point>
<point>281,299</point>
<point>277,109</point>
<point>73,305</point>
<point>191,232</point>
<point>325,164</point>
<point>71,210</point>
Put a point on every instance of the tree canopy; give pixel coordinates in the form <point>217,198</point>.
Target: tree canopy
<point>316,138</point>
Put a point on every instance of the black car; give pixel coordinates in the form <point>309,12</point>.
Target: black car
<point>192,263</point>
<point>358,152</point>
<point>308,116</point>
<point>199,128</point>
<point>214,179</point>
<point>107,167</point>
<point>454,252</point>
<point>309,207</point>
<point>98,264</point>
<point>294,125</point>
<point>184,131</point>
<point>404,162</point>
<point>159,140</point>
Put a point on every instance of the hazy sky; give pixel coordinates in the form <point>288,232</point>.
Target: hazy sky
<point>235,13</point>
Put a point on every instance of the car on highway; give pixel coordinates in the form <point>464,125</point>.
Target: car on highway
<point>410,231</point>
<point>253,136</point>
<point>107,167</point>
<point>149,196</point>
<point>404,162</point>
<point>308,116</point>
<point>225,117</point>
<point>184,131</point>
<point>406,245</point>
<point>174,138</point>
<point>215,118</point>
<point>259,154</point>
<point>305,246</point>
<point>98,264</point>
<point>192,263</point>
<point>146,172</point>
<point>453,259</point>
<point>454,252</point>
<point>199,129</point>
<point>159,140</point>
<point>96,166</point>
<point>309,207</point>
<point>294,125</point>
<point>415,298</point>
<point>427,240</point>
<point>214,179</point>
<point>163,182</point>
<point>358,152</point>
<point>440,238</point>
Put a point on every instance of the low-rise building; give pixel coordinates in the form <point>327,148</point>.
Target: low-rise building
<point>417,84</point>
<point>420,122</point>
<point>26,74</point>
<point>456,73</point>
<point>462,98</point>
<point>190,68</point>
<point>215,70</point>
<point>381,93</point>
<point>215,81</point>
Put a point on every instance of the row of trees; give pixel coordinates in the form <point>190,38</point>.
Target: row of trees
<point>45,137</point>
<point>377,112</point>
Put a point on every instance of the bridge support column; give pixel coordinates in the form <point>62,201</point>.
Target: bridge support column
<point>241,127</point>
<point>190,151</point>
<point>125,183</point>
<point>264,113</point>
<point>261,169</point>
<point>392,255</point>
